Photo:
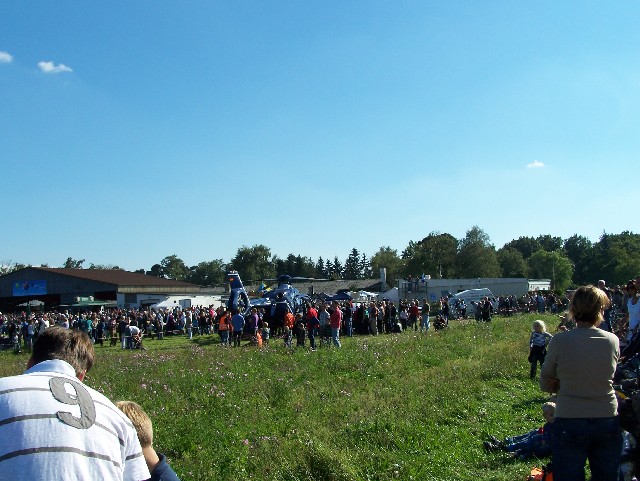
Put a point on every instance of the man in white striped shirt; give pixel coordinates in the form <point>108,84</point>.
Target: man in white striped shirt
<point>52,426</point>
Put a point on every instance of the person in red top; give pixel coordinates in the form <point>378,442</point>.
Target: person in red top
<point>224,327</point>
<point>312,325</point>
<point>335,321</point>
<point>414,312</point>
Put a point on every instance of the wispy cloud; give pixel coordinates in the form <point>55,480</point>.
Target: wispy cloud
<point>5,57</point>
<point>536,164</point>
<point>50,67</point>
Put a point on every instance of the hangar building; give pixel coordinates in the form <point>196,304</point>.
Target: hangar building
<point>113,287</point>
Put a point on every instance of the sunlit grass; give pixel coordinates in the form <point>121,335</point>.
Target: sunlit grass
<point>405,406</point>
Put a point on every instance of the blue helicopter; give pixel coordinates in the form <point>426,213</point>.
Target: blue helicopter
<point>275,301</point>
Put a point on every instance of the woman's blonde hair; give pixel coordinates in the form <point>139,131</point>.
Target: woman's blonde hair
<point>587,304</point>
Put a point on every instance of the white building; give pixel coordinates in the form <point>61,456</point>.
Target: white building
<point>434,289</point>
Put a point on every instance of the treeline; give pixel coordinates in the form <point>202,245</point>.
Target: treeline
<point>567,262</point>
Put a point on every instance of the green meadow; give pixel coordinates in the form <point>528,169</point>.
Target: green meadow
<point>405,406</point>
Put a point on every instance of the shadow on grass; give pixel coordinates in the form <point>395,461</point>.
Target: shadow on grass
<point>210,340</point>
<point>530,403</point>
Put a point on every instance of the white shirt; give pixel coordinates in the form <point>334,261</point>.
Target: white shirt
<point>634,316</point>
<point>54,427</point>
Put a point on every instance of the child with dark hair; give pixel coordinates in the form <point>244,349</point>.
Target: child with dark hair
<point>301,332</point>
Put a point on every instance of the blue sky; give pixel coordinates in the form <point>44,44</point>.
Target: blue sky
<point>130,131</point>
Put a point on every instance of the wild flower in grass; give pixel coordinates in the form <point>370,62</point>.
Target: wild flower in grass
<point>246,442</point>
<point>143,386</point>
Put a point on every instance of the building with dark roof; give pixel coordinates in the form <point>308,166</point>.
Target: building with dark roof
<point>67,287</point>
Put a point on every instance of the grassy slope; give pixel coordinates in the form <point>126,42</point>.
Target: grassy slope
<point>403,406</point>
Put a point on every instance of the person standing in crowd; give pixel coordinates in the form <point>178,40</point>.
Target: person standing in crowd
<point>632,317</point>
<point>487,308</point>
<point>348,319</point>
<point>123,324</point>
<point>55,427</point>
<point>188,323</point>
<point>335,320</point>
<point>254,321</point>
<point>313,325</point>
<point>579,367</point>
<point>237,322</point>
<point>373,319</point>
<point>606,322</point>
<point>392,318</point>
<point>224,327</point>
<point>323,316</point>
<point>426,309</point>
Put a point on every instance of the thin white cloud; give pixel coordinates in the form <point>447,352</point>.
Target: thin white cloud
<point>536,164</point>
<point>5,57</point>
<point>50,67</point>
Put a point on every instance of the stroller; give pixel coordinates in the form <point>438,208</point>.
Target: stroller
<point>136,341</point>
<point>440,323</point>
<point>325,335</point>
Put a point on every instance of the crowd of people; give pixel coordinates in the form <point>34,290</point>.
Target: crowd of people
<point>128,327</point>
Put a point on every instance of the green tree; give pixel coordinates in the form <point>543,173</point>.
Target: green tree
<point>208,273</point>
<point>253,263</point>
<point>551,265</point>
<point>617,257</point>
<point>71,263</point>
<point>476,256</point>
<point>320,271</point>
<point>526,245</point>
<point>434,255</point>
<point>304,266</point>
<point>550,243</point>
<point>7,267</point>
<point>580,252</point>
<point>156,271</point>
<point>389,259</point>
<point>512,264</point>
<point>365,267</point>
<point>352,268</point>
<point>295,266</point>
<point>336,271</point>
<point>105,267</point>
<point>174,268</point>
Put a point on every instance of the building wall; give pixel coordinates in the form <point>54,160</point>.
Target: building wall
<point>433,289</point>
<point>60,289</point>
<point>63,289</point>
<point>132,300</point>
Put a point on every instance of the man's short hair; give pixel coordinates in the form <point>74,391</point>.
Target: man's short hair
<point>57,342</point>
<point>140,421</point>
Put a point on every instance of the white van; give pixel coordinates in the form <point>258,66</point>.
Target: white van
<point>472,295</point>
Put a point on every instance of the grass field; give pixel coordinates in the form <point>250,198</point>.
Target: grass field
<point>404,406</point>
